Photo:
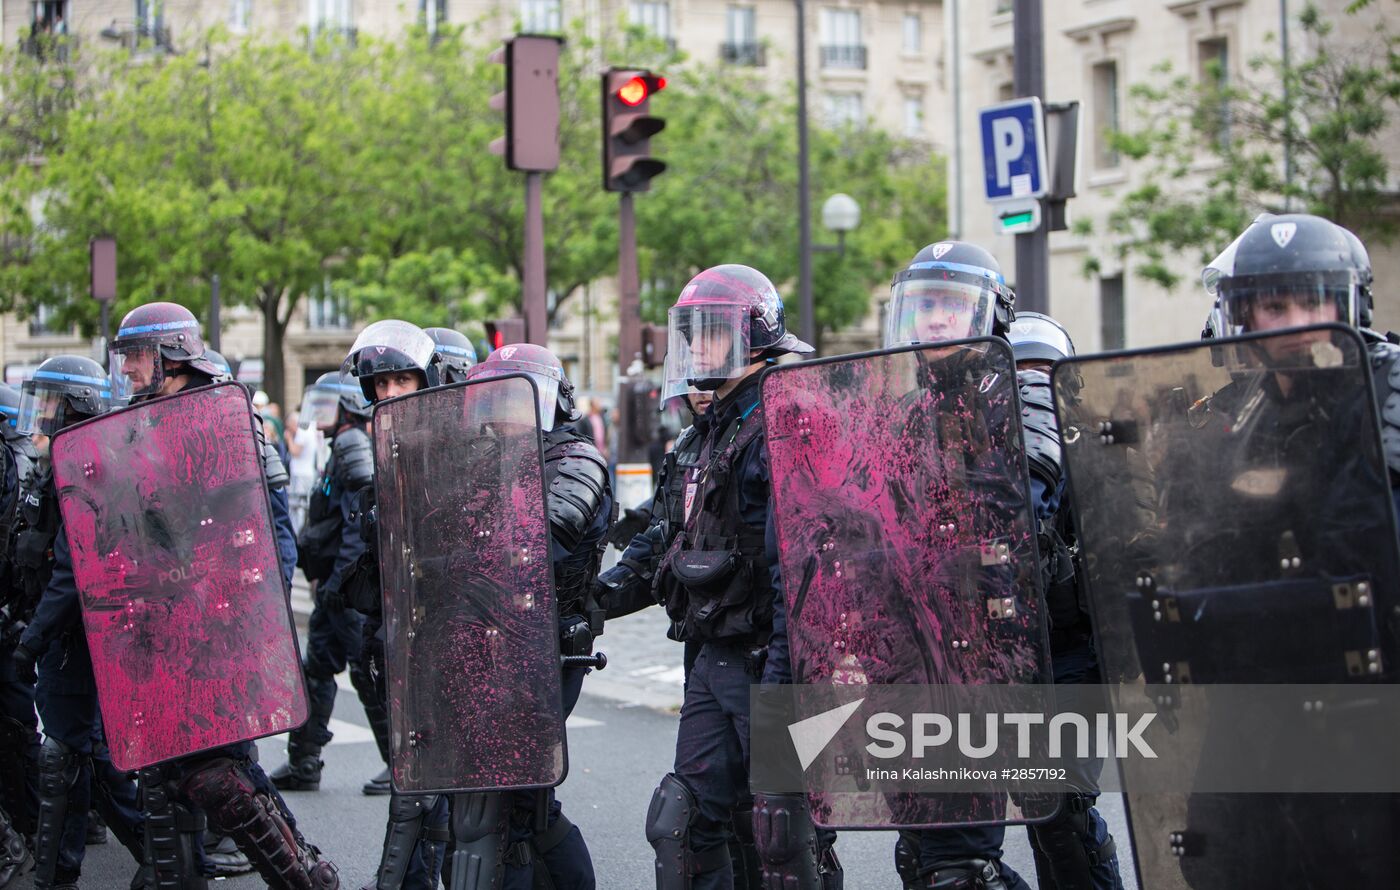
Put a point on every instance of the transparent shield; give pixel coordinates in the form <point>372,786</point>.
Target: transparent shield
<point>1236,526</point>
<point>166,511</point>
<point>906,539</point>
<point>469,609</point>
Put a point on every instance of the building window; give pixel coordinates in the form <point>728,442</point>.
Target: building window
<point>333,17</point>
<point>841,40</point>
<point>540,17</point>
<point>1111,321</point>
<point>845,109</point>
<point>913,115</point>
<point>741,44</point>
<point>150,23</point>
<point>327,309</point>
<point>1214,60</point>
<point>44,323</point>
<point>913,34</point>
<point>432,14</point>
<point>240,16</point>
<point>653,16</point>
<point>1006,91</point>
<point>1106,114</point>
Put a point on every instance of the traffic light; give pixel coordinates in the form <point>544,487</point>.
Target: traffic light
<point>503,331</point>
<point>627,129</point>
<point>654,345</point>
<point>530,103</point>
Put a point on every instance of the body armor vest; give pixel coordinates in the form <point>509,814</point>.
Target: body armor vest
<point>715,573</point>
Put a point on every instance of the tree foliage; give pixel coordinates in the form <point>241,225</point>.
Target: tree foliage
<point>1308,137</point>
<point>286,167</point>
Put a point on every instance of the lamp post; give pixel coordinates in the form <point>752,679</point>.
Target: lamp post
<point>840,214</point>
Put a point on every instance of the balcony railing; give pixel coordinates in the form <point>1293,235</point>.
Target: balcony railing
<point>838,56</point>
<point>138,36</point>
<point>751,54</point>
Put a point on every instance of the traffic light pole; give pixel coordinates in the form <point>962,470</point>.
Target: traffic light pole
<point>532,271</point>
<point>629,310</point>
<point>1028,72</point>
<point>808,320</point>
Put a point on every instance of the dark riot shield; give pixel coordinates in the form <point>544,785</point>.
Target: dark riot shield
<point>1236,526</point>
<point>906,540</point>
<point>469,610</point>
<point>167,516</point>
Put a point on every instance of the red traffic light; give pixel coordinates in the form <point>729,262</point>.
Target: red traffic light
<point>498,339</point>
<point>635,91</point>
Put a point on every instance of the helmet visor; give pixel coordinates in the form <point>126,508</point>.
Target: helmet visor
<point>137,369</point>
<point>40,410</point>
<point>546,384</point>
<point>1254,304</point>
<point>708,344</point>
<point>319,406</point>
<point>936,310</point>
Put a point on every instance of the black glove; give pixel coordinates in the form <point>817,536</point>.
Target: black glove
<point>632,523</point>
<point>22,660</point>
<point>331,600</point>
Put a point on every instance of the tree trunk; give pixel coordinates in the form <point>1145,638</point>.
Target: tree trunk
<point>274,332</point>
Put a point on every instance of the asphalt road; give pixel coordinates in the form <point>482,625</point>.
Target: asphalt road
<point>621,741</point>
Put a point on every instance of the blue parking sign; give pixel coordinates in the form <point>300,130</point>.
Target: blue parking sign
<point>1013,150</point>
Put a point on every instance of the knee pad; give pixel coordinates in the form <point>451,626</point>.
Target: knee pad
<point>479,825</point>
<point>670,816</point>
<point>224,793</point>
<point>1069,845</point>
<point>58,767</point>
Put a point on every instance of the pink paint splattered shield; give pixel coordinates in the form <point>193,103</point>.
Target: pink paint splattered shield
<point>906,539</point>
<point>469,609</point>
<point>1236,526</point>
<point>166,511</point>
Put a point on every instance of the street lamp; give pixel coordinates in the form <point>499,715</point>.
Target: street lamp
<point>840,214</point>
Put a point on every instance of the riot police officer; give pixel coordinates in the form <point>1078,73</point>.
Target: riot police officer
<point>952,290</point>
<point>19,725</point>
<point>73,762</point>
<point>453,354</point>
<point>726,326</point>
<point>1074,850</point>
<point>332,545</point>
<point>159,351</point>
<point>390,359</point>
<point>578,500</point>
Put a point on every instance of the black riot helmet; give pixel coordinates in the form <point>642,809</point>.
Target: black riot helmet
<point>63,391</point>
<point>453,353</point>
<point>333,393</point>
<point>387,346</point>
<point>556,393</point>
<point>221,365</point>
<point>1288,271</point>
<point>149,336</point>
<point>725,319</point>
<point>950,290</point>
<point>1036,336</point>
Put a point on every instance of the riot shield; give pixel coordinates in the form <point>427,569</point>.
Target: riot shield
<point>469,611</point>
<point>167,516</point>
<point>1236,526</point>
<point>906,540</point>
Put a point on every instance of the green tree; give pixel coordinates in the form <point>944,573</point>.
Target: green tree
<point>1326,113</point>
